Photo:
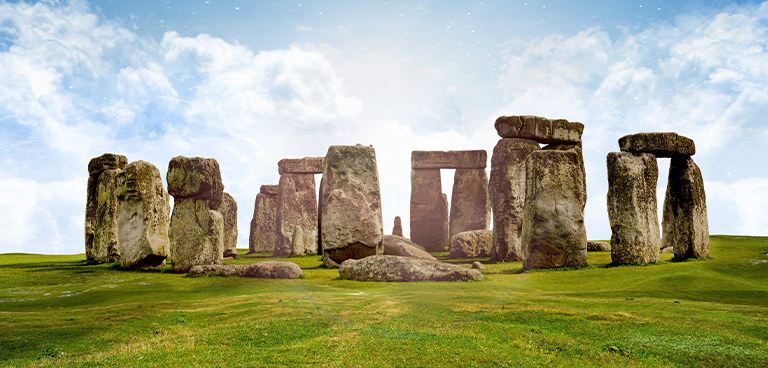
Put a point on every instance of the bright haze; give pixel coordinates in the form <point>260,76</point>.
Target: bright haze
<point>251,82</point>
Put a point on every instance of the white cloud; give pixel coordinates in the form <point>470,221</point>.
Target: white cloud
<point>742,206</point>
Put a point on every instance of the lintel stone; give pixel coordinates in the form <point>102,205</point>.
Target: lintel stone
<point>541,130</point>
<point>666,144</point>
<point>306,165</point>
<point>475,159</point>
<point>268,189</point>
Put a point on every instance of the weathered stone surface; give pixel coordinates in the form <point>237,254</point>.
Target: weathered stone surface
<point>449,159</point>
<point>506,189</point>
<point>553,223</point>
<point>306,165</point>
<point>429,210</point>
<point>597,246</point>
<point>404,269</point>
<point>195,177</point>
<point>685,225</point>
<point>196,234</point>
<point>102,209</point>
<point>668,250</point>
<point>144,216</point>
<point>263,235</point>
<point>660,144</point>
<point>351,222</point>
<point>107,161</point>
<point>470,205</point>
<point>228,211</point>
<point>296,215</point>
<point>398,246</point>
<point>262,270</point>
<point>398,228</point>
<point>632,209</point>
<point>478,266</point>
<point>472,244</point>
<point>539,129</point>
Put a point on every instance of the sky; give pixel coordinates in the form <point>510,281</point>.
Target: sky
<point>252,82</point>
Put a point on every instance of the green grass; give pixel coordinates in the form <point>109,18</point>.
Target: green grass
<point>61,311</point>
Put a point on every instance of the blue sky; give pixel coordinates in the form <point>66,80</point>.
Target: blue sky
<point>252,82</point>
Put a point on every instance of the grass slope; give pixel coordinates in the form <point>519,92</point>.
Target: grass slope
<point>61,311</point>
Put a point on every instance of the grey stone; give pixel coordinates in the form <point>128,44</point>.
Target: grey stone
<point>506,189</point>
<point>296,215</point>
<point>553,223</point>
<point>685,225</point>
<point>539,129</point>
<point>660,144</point>
<point>306,165</point>
<point>472,244</point>
<point>262,270</point>
<point>102,209</point>
<point>263,232</point>
<point>478,266</point>
<point>470,205</point>
<point>404,269</point>
<point>398,228</point>
<point>598,246</point>
<point>195,177</point>
<point>228,211</point>
<point>632,209</point>
<point>398,246</point>
<point>449,159</point>
<point>143,217</point>
<point>429,210</point>
<point>668,250</point>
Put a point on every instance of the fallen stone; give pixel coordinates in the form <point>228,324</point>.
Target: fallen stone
<point>144,216</point>
<point>398,246</point>
<point>263,231</point>
<point>102,209</point>
<point>478,266</point>
<point>228,211</point>
<point>262,270</point>
<point>398,228</point>
<point>449,159</point>
<point>668,250</point>
<point>684,225</point>
<point>632,207</point>
<point>195,177</point>
<point>659,144</point>
<point>404,269</point>
<point>597,246</point>
<point>539,129</point>
<point>553,223</point>
<point>506,189</point>
<point>470,205</point>
<point>429,210</point>
<point>296,215</point>
<point>306,165</point>
<point>351,222</point>
<point>472,244</point>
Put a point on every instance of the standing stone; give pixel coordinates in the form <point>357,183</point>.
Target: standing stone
<point>553,224</point>
<point>228,211</point>
<point>351,226</point>
<point>507,192</point>
<point>296,215</point>
<point>263,233</point>
<point>632,207</point>
<point>398,228</point>
<point>144,216</point>
<point>470,206</point>
<point>429,210</point>
<point>102,209</point>
<point>197,227</point>
<point>685,224</point>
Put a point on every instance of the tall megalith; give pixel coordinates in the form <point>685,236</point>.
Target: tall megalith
<point>263,232</point>
<point>228,211</point>
<point>685,224</point>
<point>429,212</point>
<point>470,205</point>
<point>102,209</point>
<point>297,206</point>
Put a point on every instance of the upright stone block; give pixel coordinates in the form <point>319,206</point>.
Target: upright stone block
<point>263,235</point>
<point>102,209</point>
<point>429,210</point>
<point>685,224</point>
<point>470,205</point>
<point>351,222</point>
<point>197,227</point>
<point>553,220</point>
<point>398,228</point>
<point>228,211</point>
<point>632,207</point>
<point>296,215</point>
<point>507,193</point>
<point>144,216</point>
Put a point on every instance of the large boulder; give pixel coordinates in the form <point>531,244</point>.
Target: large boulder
<point>553,224</point>
<point>506,189</point>
<point>398,246</point>
<point>660,144</point>
<point>351,222</point>
<point>296,215</point>
<point>470,205</point>
<point>632,207</point>
<point>429,210</point>
<point>404,269</point>
<point>195,177</point>
<point>228,211</point>
<point>472,244</point>
<point>539,129</point>
<point>144,216</point>
<point>262,270</point>
<point>102,209</point>
<point>685,225</point>
<point>263,232</point>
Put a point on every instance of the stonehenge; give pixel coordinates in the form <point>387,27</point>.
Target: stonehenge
<point>263,231</point>
<point>297,216</point>
<point>632,207</point>
<point>102,209</point>
<point>431,225</point>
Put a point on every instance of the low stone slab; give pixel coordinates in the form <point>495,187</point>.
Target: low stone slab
<point>306,165</point>
<point>472,244</point>
<point>539,129</point>
<point>596,246</point>
<point>398,246</point>
<point>659,144</point>
<point>261,270</point>
<point>404,269</point>
<point>476,159</point>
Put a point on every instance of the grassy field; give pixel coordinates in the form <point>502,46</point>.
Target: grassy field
<point>62,311</point>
